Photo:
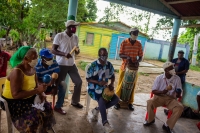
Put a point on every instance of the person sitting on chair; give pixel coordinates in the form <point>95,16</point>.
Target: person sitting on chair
<point>97,77</point>
<point>46,65</point>
<point>164,94</point>
<point>20,91</point>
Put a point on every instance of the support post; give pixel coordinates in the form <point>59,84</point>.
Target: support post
<point>72,9</point>
<point>195,48</point>
<point>176,26</point>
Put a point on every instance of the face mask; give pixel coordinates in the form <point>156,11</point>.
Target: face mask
<point>33,63</point>
<point>73,29</point>
<point>133,37</point>
<point>103,58</point>
<point>49,63</point>
<point>172,72</point>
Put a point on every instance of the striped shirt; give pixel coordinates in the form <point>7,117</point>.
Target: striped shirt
<point>41,70</point>
<point>161,82</point>
<point>133,51</point>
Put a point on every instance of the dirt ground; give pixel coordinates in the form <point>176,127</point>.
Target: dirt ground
<point>74,117</point>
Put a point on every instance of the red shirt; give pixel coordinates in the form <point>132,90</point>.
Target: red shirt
<point>4,58</point>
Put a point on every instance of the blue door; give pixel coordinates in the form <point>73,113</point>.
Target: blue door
<point>119,41</point>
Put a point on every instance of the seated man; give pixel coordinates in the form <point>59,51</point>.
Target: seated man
<point>164,94</point>
<point>46,65</point>
<point>97,77</point>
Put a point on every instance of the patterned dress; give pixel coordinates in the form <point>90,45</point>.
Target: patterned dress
<point>101,73</point>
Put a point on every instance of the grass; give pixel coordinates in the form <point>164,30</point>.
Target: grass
<point>163,60</point>
<point>82,65</point>
<point>144,74</point>
<point>195,68</point>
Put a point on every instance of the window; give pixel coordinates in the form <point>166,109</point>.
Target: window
<point>89,38</point>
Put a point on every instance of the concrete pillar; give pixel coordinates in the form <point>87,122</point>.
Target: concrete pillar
<point>72,9</point>
<point>195,48</point>
<point>176,26</point>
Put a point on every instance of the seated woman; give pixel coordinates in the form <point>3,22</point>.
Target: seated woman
<point>97,77</point>
<point>20,91</point>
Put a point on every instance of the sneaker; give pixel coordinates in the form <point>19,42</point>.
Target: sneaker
<point>108,128</point>
<point>95,113</point>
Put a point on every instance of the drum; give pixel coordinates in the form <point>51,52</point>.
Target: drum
<point>128,84</point>
<point>107,94</point>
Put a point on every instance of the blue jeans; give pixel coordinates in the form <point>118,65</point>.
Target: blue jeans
<point>61,96</point>
<point>103,105</point>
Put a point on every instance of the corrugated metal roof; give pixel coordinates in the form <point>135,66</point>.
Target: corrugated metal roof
<point>183,9</point>
<point>188,9</point>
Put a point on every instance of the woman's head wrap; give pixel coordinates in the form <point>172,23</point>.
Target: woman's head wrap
<point>19,55</point>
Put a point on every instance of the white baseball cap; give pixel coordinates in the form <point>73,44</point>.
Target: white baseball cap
<point>167,64</point>
<point>134,29</point>
<point>71,22</point>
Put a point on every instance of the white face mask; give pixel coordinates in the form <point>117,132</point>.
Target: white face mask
<point>33,63</point>
<point>133,37</point>
<point>49,63</point>
<point>172,72</point>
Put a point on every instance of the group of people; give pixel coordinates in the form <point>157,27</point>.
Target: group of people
<point>24,83</point>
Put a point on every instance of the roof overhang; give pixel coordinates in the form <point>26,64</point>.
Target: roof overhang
<point>182,9</point>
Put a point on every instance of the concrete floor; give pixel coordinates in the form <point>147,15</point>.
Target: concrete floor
<point>125,121</point>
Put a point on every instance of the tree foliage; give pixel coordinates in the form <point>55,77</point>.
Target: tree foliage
<point>27,17</point>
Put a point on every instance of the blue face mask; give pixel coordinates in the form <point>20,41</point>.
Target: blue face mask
<point>103,58</point>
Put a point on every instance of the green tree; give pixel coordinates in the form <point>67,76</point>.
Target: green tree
<point>91,11</point>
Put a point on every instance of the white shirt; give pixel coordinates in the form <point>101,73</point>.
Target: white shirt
<point>161,82</point>
<point>65,44</point>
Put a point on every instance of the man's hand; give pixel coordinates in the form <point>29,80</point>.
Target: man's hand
<point>102,83</point>
<point>68,55</point>
<point>111,87</point>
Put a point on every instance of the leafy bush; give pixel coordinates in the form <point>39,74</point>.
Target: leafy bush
<point>82,65</point>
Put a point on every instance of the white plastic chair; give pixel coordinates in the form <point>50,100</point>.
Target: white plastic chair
<point>9,122</point>
<point>87,98</point>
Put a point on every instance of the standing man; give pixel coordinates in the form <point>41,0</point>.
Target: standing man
<point>131,53</point>
<point>4,58</point>
<point>181,66</point>
<point>63,43</point>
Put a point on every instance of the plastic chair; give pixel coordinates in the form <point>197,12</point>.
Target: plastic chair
<point>87,98</point>
<point>9,122</point>
<point>170,111</point>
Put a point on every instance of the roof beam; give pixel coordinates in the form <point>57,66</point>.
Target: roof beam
<point>133,5</point>
<point>191,18</point>
<point>183,26</point>
<point>181,1</point>
<point>170,7</point>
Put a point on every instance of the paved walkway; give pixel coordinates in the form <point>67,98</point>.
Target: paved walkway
<point>144,67</point>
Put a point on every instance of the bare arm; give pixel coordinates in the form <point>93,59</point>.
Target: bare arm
<point>16,83</point>
<point>182,72</point>
<point>56,51</point>
<point>123,56</point>
<point>156,92</point>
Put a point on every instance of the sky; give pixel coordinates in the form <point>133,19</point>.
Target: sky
<point>101,5</point>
